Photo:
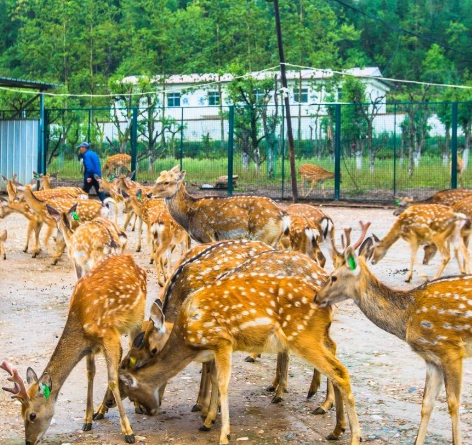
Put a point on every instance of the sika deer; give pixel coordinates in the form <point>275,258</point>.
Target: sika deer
<point>45,184</point>
<point>434,319</point>
<point>106,303</point>
<point>89,241</point>
<point>214,219</point>
<point>423,224</point>
<point>118,161</point>
<point>256,312</point>
<point>3,238</point>
<point>313,174</point>
<point>444,197</point>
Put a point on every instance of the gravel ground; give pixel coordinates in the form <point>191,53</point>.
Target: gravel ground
<point>387,377</point>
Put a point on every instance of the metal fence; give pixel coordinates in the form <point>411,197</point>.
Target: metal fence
<point>374,151</point>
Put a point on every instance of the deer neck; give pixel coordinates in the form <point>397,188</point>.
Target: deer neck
<point>387,308</point>
<point>34,203</point>
<point>174,357</point>
<point>181,206</point>
<point>70,349</point>
<point>392,236</point>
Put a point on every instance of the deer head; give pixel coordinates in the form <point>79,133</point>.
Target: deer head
<point>168,183</point>
<point>37,405</point>
<point>402,204</point>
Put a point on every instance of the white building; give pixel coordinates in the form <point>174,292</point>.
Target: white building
<point>199,99</point>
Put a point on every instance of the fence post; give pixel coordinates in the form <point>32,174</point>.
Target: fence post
<point>230,150</point>
<point>394,149</point>
<point>41,160</point>
<point>134,141</point>
<point>337,152</point>
<point>46,140</point>
<point>89,124</point>
<point>454,146</point>
<point>181,138</point>
<point>283,149</point>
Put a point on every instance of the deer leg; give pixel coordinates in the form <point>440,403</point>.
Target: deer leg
<point>283,362</point>
<point>431,392</point>
<point>37,230</point>
<point>90,362</point>
<point>48,235</point>
<point>340,418</point>
<point>206,395</point>
<point>251,358</point>
<point>223,368</point>
<point>414,249</point>
<point>29,230</point>
<point>330,390</point>
<point>446,256</point>
<point>140,232</point>
<point>129,215</point>
<point>112,351</point>
<point>314,385</point>
<point>134,223</point>
<point>325,361</point>
<point>453,381</point>
<point>201,391</point>
<point>213,411</point>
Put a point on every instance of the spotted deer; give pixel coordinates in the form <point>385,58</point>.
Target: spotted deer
<point>423,224</point>
<point>45,184</point>
<point>87,210</point>
<point>3,238</point>
<point>444,197</point>
<point>110,186</point>
<point>313,174</point>
<point>106,303</point>
<point>34,226</point>
<point>255,312</point>
<point>117,162</point>
<point>215,219</point>
<point>434,319</point>
<point>90,241</point>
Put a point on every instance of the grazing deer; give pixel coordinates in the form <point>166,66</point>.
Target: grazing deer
<point>117,162</point>
<point>34,224</point>
<point>3,238</point>
<point>89,241</point>
<point>215,219</point>
<point>254,312</point>
<point>106,303</point>
<point>444,197</point>
<point>434,319</point>
<point>313,174</point>
<point>423,224</point>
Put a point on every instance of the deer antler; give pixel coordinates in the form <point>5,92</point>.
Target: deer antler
<point>364,227</point>
<point>346,241</point>
<point>19,389</point>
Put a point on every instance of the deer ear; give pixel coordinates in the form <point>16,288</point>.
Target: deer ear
<point>124,194</point>
<point>53,212</point>
<point>72,213</point>
<point>31,376</point>
<point>158,317</point>
<point>175,169</point>
<point>367,248</point>
<point>128,380</point>
<point>180,176</point>
<point>376,239</point>
<point>130,174</point>
<point>138,342</point>
<point>5,180</point>
<point>45,386</point>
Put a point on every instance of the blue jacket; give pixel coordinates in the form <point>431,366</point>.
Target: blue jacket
<point>91,164</point>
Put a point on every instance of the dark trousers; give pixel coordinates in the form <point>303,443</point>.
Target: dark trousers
<point>93,183</point>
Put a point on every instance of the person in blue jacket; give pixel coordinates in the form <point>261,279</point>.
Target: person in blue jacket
<point>92,167</point>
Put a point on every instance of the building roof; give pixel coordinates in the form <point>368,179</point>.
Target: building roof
<point>23,83</point>
<point>314,74</point>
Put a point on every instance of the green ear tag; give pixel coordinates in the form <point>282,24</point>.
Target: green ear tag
<point>36,176</point>
<point>397,201</point>
<point>75,216</point>
<point>352,263</point>
<point>45,390</point>
<point>139,196</point>
<point>112,177</point>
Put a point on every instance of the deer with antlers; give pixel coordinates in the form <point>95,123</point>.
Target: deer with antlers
<point>434,319</point>
<point>313,174</point>
<point>90,241</point>
<point>214,219</point>
<point>257,312</point>
<point>106,303</point>
<point>430,224</point>
<point>117,162</point>
<point>444,197</point>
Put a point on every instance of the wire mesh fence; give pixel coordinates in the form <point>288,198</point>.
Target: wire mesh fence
<point>366,152</point>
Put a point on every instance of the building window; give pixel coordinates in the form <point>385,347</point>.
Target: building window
<point>300,95</point>
<point>173,99</point>
<point>213,98</point>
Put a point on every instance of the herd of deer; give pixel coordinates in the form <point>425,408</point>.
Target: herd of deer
<point>254,282</point>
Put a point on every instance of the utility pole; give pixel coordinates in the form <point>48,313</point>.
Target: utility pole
<point>287,102</point>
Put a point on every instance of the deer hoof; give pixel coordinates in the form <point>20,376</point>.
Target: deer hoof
<point>276,399</point>
<point>310,394</point>
<point>138,249</point>
<point>196,408</point>
<point>86,427</point>
<point>129,438</point>
<point>319,411</point>
<point>270,388</point>
<point>332,436</point>
<point>204,428</point>
<point>25,250</point>
<point>98,416</point>
<point>249,359</point>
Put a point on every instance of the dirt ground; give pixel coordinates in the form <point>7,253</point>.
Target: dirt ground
<point>387,377</point>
